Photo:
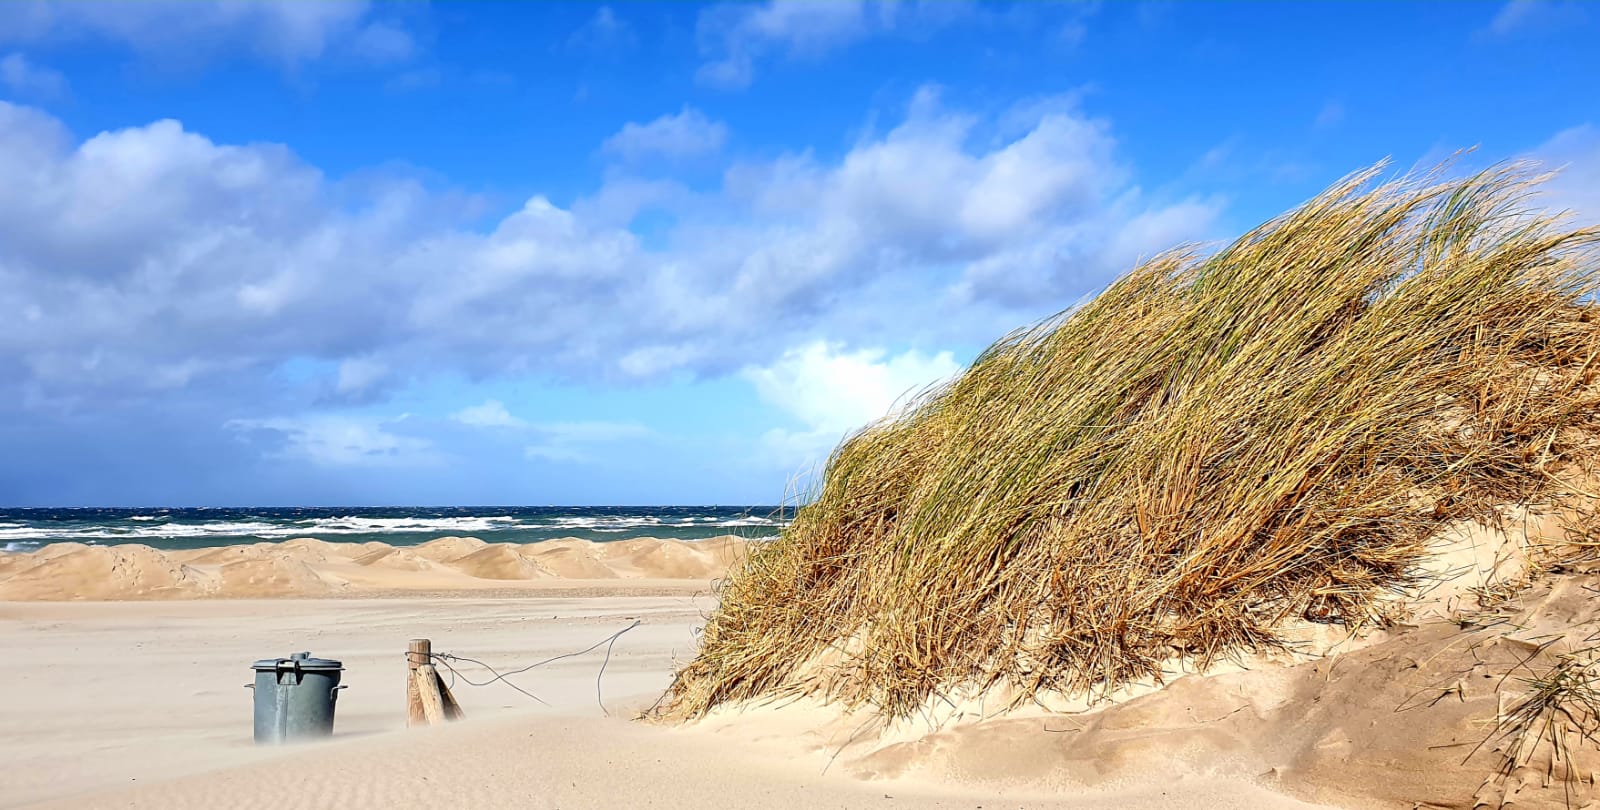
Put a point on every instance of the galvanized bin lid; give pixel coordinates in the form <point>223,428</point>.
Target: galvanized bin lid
<point>300,660</point>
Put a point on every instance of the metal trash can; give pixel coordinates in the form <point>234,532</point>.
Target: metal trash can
<point>295,697</point>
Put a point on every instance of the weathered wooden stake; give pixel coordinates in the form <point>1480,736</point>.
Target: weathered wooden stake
<point>428,687</point>
<point>418,654</point>
<point>452,709</point>
<point>428,699</point>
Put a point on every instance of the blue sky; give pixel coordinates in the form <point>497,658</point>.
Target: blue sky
<point>563,253</point>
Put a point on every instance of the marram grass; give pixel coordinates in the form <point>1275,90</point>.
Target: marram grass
<point>1211,446</point>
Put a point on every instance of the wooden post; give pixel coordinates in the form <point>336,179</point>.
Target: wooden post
<point>452,709</point>
<point>427,679</point>
<point>418,654</point>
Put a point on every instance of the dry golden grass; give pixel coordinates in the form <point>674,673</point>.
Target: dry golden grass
<point>1210,446</point>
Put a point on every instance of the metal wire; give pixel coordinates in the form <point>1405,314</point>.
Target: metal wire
<point>608,642</point>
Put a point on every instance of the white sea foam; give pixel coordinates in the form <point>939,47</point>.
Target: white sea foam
<point>316,527</point>
<point>752,521</point>
<point>365,525</point>
<point>147,528</point>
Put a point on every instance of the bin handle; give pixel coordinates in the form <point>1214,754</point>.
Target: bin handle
<point>333,694</point>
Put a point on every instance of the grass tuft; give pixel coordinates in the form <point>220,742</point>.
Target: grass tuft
<point>1213,445</point>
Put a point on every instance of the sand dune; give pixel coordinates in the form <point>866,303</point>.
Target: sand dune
<point>310,567</point>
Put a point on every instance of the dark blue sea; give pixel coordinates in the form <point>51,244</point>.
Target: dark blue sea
<point>27,529</point>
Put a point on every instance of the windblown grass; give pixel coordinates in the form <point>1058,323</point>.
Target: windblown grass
<point>1209,447</point>
<point>1560,710</point>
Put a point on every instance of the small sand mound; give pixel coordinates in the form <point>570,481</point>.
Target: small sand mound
<point>11,562</point>
<point>307,567</point>
<point>58,549</point>
<point>498,561</point>
<point>397,559</point>
<point>649,557</point>
<point>102,572</point>
<point>218,556</point>
<point>311,549</point>
<point>569,559</point>
<point>726,551</point>
<point>274,576</point>
<point>446,549</point>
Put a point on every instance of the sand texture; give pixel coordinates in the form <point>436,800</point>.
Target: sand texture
<point>310,568</point>
<point>140,705</point>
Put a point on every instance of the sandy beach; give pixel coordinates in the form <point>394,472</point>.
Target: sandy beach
<point>119,704</point>
<point>139,702</point>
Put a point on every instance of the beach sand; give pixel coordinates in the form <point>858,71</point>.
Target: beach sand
<point>307,567</point>
<point>119,704</point>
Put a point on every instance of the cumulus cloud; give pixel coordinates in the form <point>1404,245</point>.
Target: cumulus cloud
<point>22,77</point>
<point>491,414</point>
<point>832,391</point>
<point>287,33</point>
<point>688,134</point>
<point>148,260</point>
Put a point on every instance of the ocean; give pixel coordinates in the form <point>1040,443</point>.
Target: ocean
<point>183,528</point>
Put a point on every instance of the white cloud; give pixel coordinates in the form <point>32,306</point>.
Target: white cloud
<point>24,78</point>
<point>1524,15</point>
<point>575,441</point>
<point>360,374</point>
<point>688,134</point>
<point>832,392</point>
<point>335,441</point>
<point>605,32</point>
<point>491,414</point>
<point>735,35</point>
<point>152,258</point>
<point>382,43</point>
<point>1575,154</point>
<point>552,441</point>
<point>287,33</point>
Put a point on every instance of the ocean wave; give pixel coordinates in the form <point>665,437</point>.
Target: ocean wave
<point>610,523</point>
<point>17,546</point>
<point>188,528</point>
<point>366,525</point>
<point>753,521</point>
<point>232,528</point>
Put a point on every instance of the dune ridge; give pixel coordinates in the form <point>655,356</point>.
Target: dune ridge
<point>308,567</point>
